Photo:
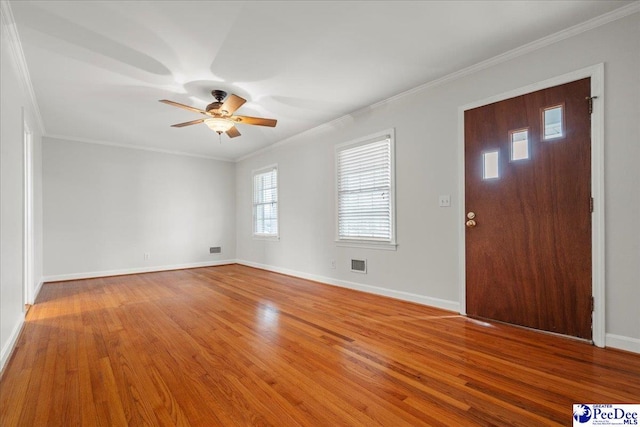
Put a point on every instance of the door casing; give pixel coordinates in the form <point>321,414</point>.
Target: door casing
<point>28,291</point>
<point>596,73</point>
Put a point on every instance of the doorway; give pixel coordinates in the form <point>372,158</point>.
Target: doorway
<point>532,246</point>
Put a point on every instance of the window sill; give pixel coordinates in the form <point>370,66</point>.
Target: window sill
<point>265,237</point>
<point>367,244</point>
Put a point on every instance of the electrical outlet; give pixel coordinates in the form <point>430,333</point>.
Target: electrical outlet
<point>333,263</point>
<point>147,256</point>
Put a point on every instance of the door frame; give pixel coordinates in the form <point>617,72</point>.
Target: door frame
<point>28,214</point>
<point>596,73</point>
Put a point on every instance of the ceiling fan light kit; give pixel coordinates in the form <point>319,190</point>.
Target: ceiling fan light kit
<point>219,125</point>
<point>220,114</point>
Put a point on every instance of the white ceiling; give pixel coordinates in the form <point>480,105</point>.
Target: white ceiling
<point>98,68</point>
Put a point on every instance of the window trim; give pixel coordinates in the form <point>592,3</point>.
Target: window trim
<point>262,170</point>
<point>368,243</point>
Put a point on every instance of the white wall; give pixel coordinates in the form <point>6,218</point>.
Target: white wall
<point>14,106</point>
<point>106,206</point>
<point>425,266</point>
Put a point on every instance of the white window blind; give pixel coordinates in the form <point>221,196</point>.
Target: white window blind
<point>365,191</point>
<point>265,202</point>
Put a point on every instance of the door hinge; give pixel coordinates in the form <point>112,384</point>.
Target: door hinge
<point>591,204</point>
<point>593,304</point>
<point>590,99</point>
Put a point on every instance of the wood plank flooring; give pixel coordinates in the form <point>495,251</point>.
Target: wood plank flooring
<point>237,346</point>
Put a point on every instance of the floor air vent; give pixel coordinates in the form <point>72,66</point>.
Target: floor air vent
<point>359,265</point>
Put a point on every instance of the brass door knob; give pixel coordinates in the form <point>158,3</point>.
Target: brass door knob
<point>471,223</point>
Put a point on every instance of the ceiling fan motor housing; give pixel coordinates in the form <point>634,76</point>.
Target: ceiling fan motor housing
<point>214,106</point>
<point>219,95</point>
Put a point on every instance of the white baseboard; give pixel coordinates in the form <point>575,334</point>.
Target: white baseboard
<point>622,343</point>
<point>405,296</point>
<point>95,274</point>
<point>613,341</point>
<point>7,350</point>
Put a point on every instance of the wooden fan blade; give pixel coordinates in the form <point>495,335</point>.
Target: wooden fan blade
<point>254,121</point>
<point>186,107</point>
<point>232,103</point>
<point>233,132</point>
<point>192,122</point>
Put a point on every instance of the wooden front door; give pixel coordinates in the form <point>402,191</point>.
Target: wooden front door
<point>528,204</point>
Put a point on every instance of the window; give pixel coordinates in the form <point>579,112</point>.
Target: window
<point>265,202</point>
<point>365,192</point>
<point>519,144</point>
<point>490,165</point>
<point>553,122</point>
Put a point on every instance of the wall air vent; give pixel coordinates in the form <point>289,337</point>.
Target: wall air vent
<point>359,265</point>
<point>215,250</point>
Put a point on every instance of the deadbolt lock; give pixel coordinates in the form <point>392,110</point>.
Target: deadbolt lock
<point>471,215</point>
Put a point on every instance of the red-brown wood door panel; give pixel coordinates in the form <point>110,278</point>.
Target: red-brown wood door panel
<point>528,258</point>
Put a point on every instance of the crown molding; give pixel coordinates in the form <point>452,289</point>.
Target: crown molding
<point>591,24</point>
<point>135,147</point>
<point>13,38</point>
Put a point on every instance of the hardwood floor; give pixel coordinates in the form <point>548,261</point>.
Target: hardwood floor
<point>236,346</point>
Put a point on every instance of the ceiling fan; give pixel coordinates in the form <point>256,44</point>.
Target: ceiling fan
<point>220,116</point>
